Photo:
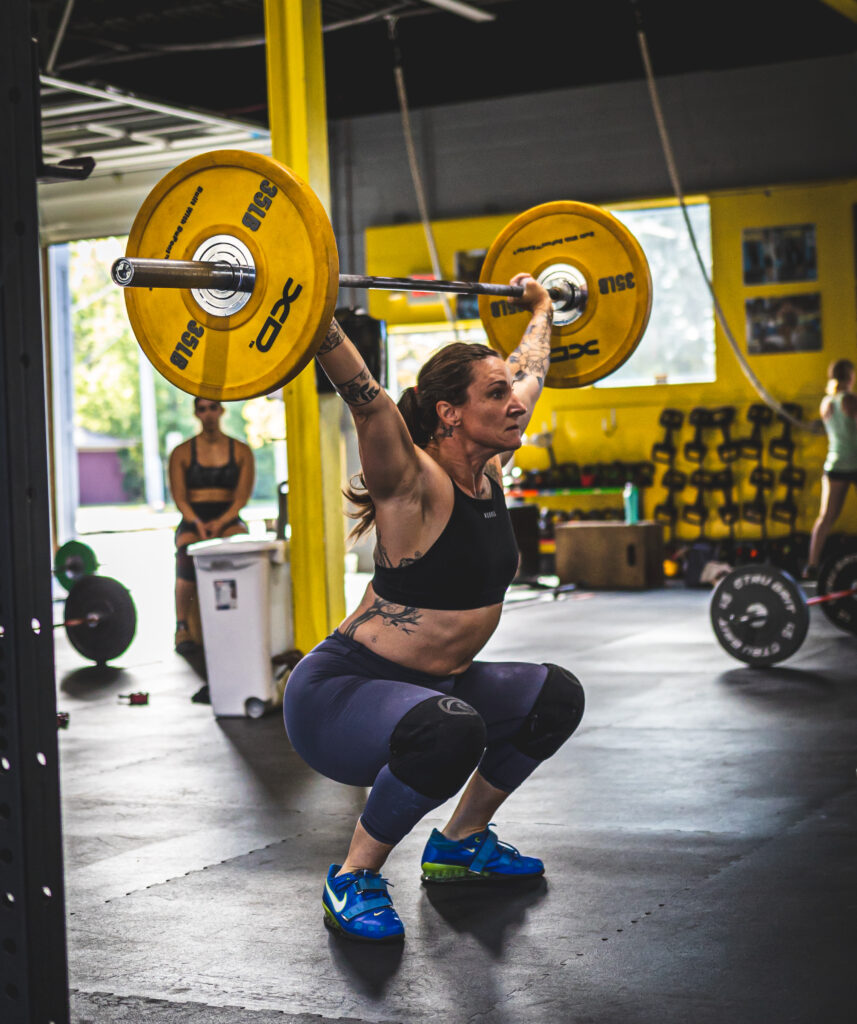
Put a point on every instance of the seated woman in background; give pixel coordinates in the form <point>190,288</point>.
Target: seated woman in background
<point>211,480</point>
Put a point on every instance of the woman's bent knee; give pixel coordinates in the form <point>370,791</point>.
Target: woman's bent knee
<point>554,716</point>
<point>436,745</point>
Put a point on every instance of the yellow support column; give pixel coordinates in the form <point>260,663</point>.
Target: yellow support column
<point>298,120</point>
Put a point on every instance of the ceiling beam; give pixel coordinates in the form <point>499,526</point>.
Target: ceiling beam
<point>845,7</point>
<point>465,10</point>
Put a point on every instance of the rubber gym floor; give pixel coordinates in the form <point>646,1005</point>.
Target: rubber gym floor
<point>698,831</point>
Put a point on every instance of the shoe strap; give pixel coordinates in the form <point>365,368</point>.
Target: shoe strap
<point>369,884</point>
<point>486,851</point>
<point>361,906</point>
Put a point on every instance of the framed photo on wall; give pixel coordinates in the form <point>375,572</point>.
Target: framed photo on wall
<point>788,323</point>
<point>779,254</point>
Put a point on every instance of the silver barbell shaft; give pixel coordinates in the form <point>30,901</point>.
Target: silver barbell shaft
<point>140,273</point>
<point>133,272</point>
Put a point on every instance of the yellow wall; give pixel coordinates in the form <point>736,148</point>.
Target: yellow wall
<point>584,419</point>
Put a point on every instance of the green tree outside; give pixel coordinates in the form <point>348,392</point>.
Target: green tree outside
<point>107,380</point>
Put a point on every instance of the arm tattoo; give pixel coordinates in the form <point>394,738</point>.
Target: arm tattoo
<point>401,616</point>
<point>384,560</point>
<point>360,390</point>
<point>532,357</point>
<point>333,339</point>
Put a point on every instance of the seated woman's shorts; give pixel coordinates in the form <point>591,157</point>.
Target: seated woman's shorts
<point>185,569</point>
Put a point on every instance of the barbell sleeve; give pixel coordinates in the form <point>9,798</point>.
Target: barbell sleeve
<point>147,273</point>
<point>141,273</point>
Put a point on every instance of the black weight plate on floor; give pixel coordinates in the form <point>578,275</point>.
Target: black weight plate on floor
<point>115,629</point>
<point>839,573</point>
<point>759,614</point>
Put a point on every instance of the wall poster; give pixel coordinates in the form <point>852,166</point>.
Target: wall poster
<point>788,323</point>
<point>780,254</point>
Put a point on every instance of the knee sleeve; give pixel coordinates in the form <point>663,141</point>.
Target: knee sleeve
<point>185,569</point>
<point>554,717</point>
<point>436,745</point>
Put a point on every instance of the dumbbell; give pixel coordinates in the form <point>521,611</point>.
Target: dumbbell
<point>723,418</point>
<point>641,474</point>
<point>590,474</point>
<point>756,509</point>
<point>785,510</point>
<point>613,474</point>
<point>760,416</point>
<point>700,420</point>
<point>783,446</point>
<point>664,451</point>
<point>569,475</point>
<point>667,511</point>
<point>696,513</point>
<point>729,512</point>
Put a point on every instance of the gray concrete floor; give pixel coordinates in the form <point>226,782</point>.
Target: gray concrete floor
<point>698,831</point>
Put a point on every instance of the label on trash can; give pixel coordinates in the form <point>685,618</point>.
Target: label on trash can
<point>225,595</point>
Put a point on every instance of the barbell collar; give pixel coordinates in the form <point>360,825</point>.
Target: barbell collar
<point>142,273</point>
<point>146,273</point>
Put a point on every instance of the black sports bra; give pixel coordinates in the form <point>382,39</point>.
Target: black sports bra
<point>470,565</point>
<point>199,477</point>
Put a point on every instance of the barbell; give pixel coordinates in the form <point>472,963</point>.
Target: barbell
<point>760,615</point>
<point>100,618</point>
<point>231,276</point>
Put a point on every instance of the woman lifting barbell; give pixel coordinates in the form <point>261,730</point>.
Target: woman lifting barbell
<point>393,699</point>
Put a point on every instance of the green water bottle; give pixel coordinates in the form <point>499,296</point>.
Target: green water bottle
<point>630,498</point>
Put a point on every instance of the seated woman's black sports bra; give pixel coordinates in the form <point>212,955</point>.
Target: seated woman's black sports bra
<point>470,565</point>
<point>224,477</point>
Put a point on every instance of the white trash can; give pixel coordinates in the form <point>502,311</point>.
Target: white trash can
<point>245,604</point>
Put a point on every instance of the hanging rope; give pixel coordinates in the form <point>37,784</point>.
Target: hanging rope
<point>761,390</point>
<point>416,177</point>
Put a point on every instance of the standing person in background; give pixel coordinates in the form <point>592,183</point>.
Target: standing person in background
<point>839,416</point>
<point>211,480</point>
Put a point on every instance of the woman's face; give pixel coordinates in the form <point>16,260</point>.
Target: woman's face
<point>492,413</point>
<point>208,413</point>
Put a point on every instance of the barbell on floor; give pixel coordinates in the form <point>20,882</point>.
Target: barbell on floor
<point>760,615</point>
<point>231,276</point>
<point>100,618</point>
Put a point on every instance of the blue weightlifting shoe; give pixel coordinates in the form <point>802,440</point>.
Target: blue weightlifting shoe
<point>358,906</point>
<point>480,857</point>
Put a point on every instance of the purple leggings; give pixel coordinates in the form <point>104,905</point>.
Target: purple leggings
<point>342,703</point>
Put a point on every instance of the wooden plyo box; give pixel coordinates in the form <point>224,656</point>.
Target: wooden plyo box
<point>612,556</point>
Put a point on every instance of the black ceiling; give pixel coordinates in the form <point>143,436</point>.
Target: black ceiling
<point>209,54</point>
